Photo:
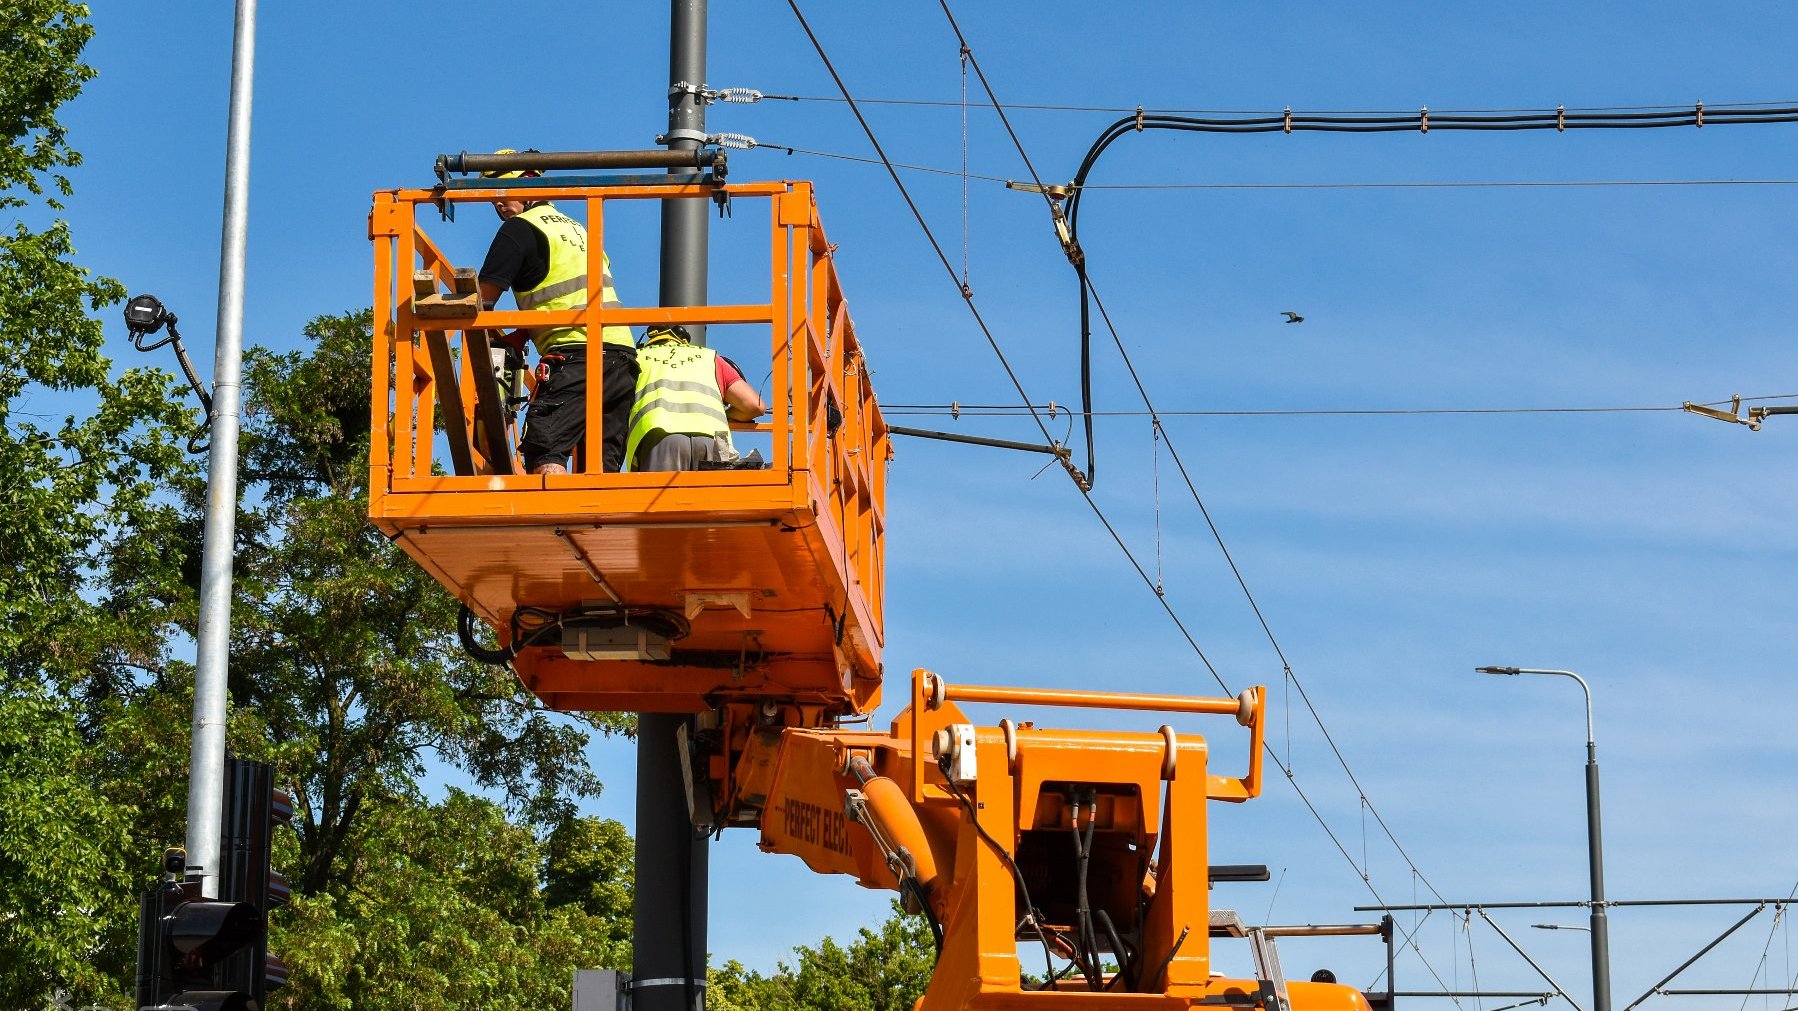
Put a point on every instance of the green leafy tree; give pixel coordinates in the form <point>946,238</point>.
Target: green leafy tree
<point>588,863</point>
<point>60,838</point>
<point>40,69</point>
<point>87,457</point>
<point>72,484</point>
<point>443,907</point>
<point>344,669</point>
<point>886,969</point>
<point>344,651</point>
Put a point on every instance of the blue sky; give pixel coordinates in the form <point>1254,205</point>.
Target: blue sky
<point>1651,552</point>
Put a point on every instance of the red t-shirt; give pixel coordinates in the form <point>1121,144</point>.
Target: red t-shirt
<point>727,374</point>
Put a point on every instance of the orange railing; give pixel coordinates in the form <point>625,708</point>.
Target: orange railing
<point>432,384</point>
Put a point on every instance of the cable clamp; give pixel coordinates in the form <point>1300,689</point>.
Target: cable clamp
<point>734,141</point>
<point>645,984</point>
<point>955,409</point>
<point>1733,415</point>
<point>1560,119</point>
<point>1053,407</point>
<point>1139,119</point>
<point>1286,126</point>
<point>683,133</point>
<point>1424,122</point>
<point>741,96</point>
<point>1701,115</point>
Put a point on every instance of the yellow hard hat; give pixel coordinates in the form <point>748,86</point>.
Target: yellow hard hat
<point>667,331</point>
<point>514,174</point>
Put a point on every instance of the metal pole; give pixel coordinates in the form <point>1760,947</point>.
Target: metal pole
<point>1601,931</point>
<point>684,245</point>
<point>1601,940</point>
<point>975,440</point>
<point>205,790</point>
<point>668,929</point>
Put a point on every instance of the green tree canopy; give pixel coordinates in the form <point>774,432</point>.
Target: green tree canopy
<point>886,969</point>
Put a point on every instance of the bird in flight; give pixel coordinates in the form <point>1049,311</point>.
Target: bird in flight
<point>1293,317</point>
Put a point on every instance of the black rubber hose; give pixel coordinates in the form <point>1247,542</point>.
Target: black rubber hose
<point>465,629</point>
<point>1030,910</point>
<point>1171,952</point>
<point>1085,938</point>
<point>1125,962</point>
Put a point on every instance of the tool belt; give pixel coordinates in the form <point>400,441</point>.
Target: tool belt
<point>549,361</point>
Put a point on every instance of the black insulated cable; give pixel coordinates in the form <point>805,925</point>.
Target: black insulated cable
<point>1080,480</point>
<point>1422,121</point>
<point>465,630</point>
<point>1031,913</point>
<point>144,316</point>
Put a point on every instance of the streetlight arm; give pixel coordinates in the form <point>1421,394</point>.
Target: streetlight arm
<point>1590,745</point>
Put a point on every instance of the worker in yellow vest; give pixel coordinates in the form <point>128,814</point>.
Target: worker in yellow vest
<point>540,254</point>
<point>686,398</point>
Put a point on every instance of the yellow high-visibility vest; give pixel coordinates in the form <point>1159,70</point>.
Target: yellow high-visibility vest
<point>677,394</point>
<point>565,286</point>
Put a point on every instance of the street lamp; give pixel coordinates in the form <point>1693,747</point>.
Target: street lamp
<point>1601,945</point>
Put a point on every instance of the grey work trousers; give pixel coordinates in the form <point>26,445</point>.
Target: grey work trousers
<point>681,452</point>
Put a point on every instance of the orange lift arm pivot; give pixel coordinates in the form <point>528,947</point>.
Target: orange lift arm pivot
<point>1027,847</point>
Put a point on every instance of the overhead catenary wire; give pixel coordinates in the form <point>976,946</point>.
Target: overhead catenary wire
<point>1080,481</point>
<point>966,292</point>
<point>1078,261</point>
<point>1158,110</point>
<point>1067,220</point>
<point>957,410</point>
<point>1242,583</point>
<point>1779,914</point>
<point>1342,185</point>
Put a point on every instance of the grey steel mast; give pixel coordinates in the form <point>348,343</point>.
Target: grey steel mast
<point>668,932</point>
<point>206,769</point>
<point>1600,920</point>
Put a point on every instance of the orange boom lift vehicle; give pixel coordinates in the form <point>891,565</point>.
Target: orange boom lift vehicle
<point>752,599</point>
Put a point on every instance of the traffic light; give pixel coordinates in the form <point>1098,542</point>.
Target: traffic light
<point>210,953</point>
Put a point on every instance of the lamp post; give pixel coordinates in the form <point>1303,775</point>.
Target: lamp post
<point>1601,942</point>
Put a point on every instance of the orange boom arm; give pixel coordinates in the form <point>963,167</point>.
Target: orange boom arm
<point>1103,831</point>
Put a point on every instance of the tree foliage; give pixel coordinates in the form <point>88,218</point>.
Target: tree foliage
<point>87,456</point>
<point>438,859</point>
<point>443,907</point>
<point>886,969</point>
<point>59,840</point>
<point>344,671</point>
<point>40,69</point>
<point>74,479</point>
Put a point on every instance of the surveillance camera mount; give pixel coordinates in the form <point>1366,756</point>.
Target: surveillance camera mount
<point>145,316</point>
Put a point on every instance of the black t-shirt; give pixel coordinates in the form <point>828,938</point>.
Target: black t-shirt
<point>518,259</point>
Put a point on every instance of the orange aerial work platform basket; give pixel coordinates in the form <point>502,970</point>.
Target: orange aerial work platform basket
<point>645,592</point>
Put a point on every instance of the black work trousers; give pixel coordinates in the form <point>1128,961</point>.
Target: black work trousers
<point>556,420</point>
